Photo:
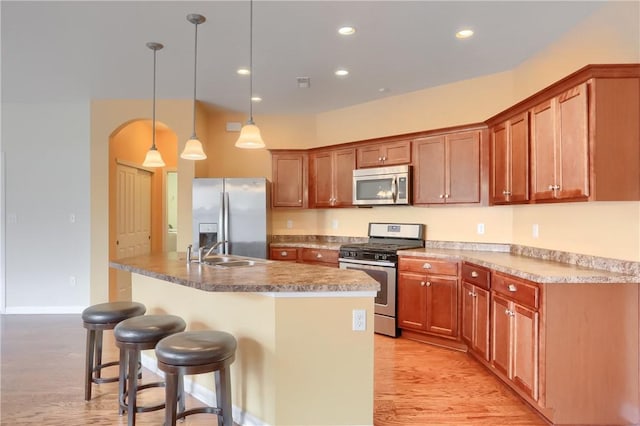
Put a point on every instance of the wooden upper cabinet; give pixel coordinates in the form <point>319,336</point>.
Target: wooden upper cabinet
<point>384,154</point>
<point>289,178</point>
<point>560,146</point>
<point>510,160</point>
<point>331,177</point>
<point>447,168</point>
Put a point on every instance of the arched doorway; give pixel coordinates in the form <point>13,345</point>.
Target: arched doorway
<point>138,219</point>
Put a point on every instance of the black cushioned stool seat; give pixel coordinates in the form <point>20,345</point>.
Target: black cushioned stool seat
<point>132,336</point>
<point>96,319</point>
<point>197,352</point>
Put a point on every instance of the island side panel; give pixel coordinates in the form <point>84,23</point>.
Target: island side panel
<point>592,359</point>
<point>325,369</point>
<point>248,316</point>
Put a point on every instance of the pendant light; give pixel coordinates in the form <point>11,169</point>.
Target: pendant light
<point>193,148</point>
<point>153,157</point>
<point>250,137</point>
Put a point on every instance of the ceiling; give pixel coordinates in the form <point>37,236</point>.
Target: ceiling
<point>69,51</point>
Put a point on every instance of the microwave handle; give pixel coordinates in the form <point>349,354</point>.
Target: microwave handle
<point>394,188</point>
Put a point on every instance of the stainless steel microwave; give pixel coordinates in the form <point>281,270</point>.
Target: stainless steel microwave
<point>382,186</point>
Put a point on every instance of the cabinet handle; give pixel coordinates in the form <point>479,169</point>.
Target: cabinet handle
<point>421,283</point>
<point>428,283</point>
<point>557,187</point>
<point>472,294</point>
<point>474,274</point>
<point>512,288</point>
<point>318,256</point>
<point>299,201</point>
<point>506,193</point>
<point>446,195</point>
<point>551,187</point>
<point>427,265</point>
<point>509,313</point>
<point>441,195</point>
<point>379,158</point>
<point>384,158</point>
<point>554,187</point>
<point>284,254</point>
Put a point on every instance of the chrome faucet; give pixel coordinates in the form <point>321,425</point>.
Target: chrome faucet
<point>202,256</point>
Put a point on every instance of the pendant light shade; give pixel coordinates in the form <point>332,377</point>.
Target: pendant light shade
<point>193,148</point>
<point>250,137</point>
<point>153,157</point>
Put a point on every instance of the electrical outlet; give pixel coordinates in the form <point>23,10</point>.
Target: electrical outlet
<point>535,230</point>
<point>289,224</point>
<point>480,228</point>
<point>334,223</point>
<point>72,281</point>
<point>359,320</point>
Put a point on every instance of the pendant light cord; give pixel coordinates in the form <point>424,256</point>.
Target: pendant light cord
<point>250,62</point>
<point>153,130</point>
<point>195,68</point>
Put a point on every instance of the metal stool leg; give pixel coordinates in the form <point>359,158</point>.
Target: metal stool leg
<point>172,381</point>
<point>223,396</point>
<point>88,373</point>
<point>122,381</point>
<point>132,359</point>
<point>98,353</point>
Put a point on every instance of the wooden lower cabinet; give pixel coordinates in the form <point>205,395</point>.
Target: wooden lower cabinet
<point>313,256</point>
<point>515,343</point>
<point>475,319</point>
<point>428,300</point>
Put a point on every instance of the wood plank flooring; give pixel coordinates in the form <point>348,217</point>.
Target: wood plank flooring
<point>41,382</point>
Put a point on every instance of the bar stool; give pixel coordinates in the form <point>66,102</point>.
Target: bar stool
<point>132,336</point>
<point>96,319</point>
<point>197,352</point>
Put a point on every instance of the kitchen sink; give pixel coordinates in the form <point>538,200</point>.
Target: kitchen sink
<point>231,261</point>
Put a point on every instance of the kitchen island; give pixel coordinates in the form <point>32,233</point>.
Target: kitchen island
<point>298,360</point>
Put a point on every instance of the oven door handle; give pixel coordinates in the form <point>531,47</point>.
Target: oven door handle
<point>380,263</point>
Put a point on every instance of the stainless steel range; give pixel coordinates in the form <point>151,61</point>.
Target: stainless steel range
<point>378,257</point>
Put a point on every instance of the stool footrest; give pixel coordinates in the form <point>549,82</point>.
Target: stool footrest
<point>143,409</point>
<point>98,368</point>
<point>199,410</point>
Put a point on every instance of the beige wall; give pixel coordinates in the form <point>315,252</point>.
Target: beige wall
<point>293,359</point>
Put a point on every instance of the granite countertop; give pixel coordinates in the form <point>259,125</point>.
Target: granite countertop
<point>267,276</point>
<point>538,270</point>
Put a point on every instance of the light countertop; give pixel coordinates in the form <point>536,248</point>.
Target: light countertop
<point>270,276</point>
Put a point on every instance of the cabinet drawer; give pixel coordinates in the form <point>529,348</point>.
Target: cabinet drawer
<point>476,275</point>
<point>428,266</point>
<point>283,253</point>
<point>319,255</point>
<point>516,289</point>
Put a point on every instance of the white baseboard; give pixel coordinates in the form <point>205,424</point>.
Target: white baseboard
<point>204,395</point>
<point>43,310</point>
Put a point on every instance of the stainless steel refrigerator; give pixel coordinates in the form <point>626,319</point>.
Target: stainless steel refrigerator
<point>233,210</point>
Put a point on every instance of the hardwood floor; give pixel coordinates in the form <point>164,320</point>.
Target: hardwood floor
<point>41,382</point>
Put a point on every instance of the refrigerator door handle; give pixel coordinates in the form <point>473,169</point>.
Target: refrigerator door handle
<point>225,209</point>
<point>221,218</point>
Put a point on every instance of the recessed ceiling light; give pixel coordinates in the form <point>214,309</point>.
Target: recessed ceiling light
<point>464,33</point>
<point>383,90</point>
<point>342,72</point>
<point>346,30</point>
<point>256,98</point>
<point>243,71</point>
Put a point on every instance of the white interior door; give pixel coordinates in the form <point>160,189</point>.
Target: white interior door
<point>133,219</point>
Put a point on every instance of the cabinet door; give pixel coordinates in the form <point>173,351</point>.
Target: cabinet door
<point>501,334</point>
<point>320,179</point>
<point>442,305</point>
<point>412,301</point>
<point>572,151</point>
<point>525,350</point>
<point>345,162</point>
<point>543,151</point>
<point>463,168</point>
<point>500,163</point>
<point>429,161</point>
<point>519,158</point>
<point>396,153</point>
<point>369,156</point>
<point>468,313</point>
<point>289,179</point>
<point>481,323</point>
